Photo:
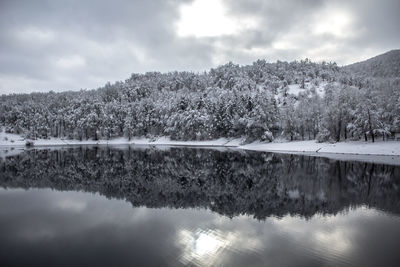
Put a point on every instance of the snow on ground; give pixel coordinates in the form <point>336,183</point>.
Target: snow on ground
<point>387,152</point>
<point>390,148</point>
<point>210,143</point>
<point>7,139</point>
<point>297,146</point>
<point>14,140</point>
<point>296,90</point>
<point>379,152</point>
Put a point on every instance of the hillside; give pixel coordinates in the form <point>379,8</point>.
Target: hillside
<point>386,65</point>
<point>296,100</point>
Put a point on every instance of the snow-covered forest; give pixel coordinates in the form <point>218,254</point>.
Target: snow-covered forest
<point>297,100</point>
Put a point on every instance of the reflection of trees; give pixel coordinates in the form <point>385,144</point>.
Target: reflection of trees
<point>230,183</point>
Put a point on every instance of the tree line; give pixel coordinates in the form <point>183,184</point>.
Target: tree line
<point>294,100</point>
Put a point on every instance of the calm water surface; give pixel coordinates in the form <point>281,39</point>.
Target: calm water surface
<point>179,206</point>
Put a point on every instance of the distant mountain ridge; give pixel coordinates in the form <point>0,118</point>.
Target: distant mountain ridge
<point>386,65</point>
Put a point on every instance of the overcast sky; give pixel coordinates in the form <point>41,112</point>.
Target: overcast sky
<point>68,45</point>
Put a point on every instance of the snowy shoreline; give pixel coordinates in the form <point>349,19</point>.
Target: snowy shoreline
<point>386,152</point>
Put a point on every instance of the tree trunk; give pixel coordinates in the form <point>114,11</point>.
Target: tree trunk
<point>339,130</point>
<point>370,127</point>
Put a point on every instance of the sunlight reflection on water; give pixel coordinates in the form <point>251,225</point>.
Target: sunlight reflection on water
<point>202,246</point>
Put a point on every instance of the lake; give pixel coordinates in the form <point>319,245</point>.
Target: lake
<point>166,206</point>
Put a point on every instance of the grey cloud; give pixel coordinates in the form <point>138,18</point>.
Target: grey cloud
<point>380,21</point>
<point>58,45</point>
<point>375,26</point>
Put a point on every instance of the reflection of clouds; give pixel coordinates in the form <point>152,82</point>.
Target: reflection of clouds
<point>37,234</point>
<point>335,241</point>
<point>215,245</point>
<point>331,238</point>
<point>70,204</point>
<point>202,247</point>
<point>191,236</point>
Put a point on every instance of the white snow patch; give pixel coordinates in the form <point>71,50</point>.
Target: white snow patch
<point>295,89</point>
<point>351,147</point>
<point>294,194</point>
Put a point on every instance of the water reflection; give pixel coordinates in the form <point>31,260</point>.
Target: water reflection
<point>312,212</point>
<point>37,231</point>
<point>201,246</point>
<point>230,183</point>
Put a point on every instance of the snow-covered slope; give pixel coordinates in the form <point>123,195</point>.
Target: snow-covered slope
<point>385,65</point>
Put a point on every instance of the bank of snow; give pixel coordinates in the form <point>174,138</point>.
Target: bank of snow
<point>387,152</point>
<point>378,152</point>
<point>389,148</point>
<point>14,140</point>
